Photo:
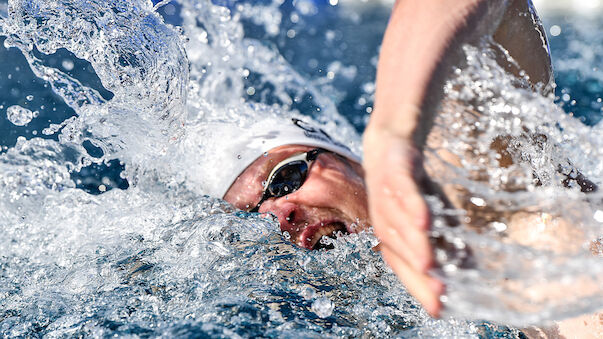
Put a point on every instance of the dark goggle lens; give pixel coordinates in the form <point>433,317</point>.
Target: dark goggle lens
<point>287,179</point>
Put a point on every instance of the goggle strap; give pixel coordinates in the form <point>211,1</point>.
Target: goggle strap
<point>313,154</point>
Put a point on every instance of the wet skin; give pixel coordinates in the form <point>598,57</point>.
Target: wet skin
<point>332,199</point>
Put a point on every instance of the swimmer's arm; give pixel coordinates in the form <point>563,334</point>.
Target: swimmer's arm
<point>421,44</point>
<point>587,326</point>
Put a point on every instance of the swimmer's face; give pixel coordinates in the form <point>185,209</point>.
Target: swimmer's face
<point>332,198</point>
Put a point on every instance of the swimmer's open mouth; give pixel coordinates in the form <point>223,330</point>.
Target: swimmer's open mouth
<point>312,235</point>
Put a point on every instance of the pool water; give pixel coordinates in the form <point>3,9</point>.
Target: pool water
<point>106,230</point>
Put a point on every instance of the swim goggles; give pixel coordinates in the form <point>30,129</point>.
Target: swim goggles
<point>288,176</point>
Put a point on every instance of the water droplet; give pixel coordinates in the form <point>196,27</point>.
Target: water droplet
<point>323,307</point>
<point>308,293</point>
<point>29,97</point>
<point>67,64</point>
<point>169,9</point>
<point>479,202</point>
<point>18,115</point>
<point>499,226</point>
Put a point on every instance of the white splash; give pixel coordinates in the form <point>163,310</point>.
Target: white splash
<point>19,116</point>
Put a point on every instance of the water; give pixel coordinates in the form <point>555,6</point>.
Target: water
<point>18,115</point>
<point>127,101</point>
<point>520,229</point>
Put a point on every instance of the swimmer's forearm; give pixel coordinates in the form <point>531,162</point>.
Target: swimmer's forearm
<point>421,44</point>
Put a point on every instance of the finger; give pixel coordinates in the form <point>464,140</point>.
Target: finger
<point>389,211</point>
<point>399,187</point>
<point>393,227</point>
<point>408,197</point>
<point>402,176</point>
<point>419,256</point>
<point>425,289</point>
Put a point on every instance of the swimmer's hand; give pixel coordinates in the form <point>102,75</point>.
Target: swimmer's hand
<point>399,214</point>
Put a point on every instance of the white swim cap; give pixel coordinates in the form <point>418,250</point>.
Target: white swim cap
<point>239,146</point>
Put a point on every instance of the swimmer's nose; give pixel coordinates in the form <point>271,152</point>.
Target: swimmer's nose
<point>289,215</point>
